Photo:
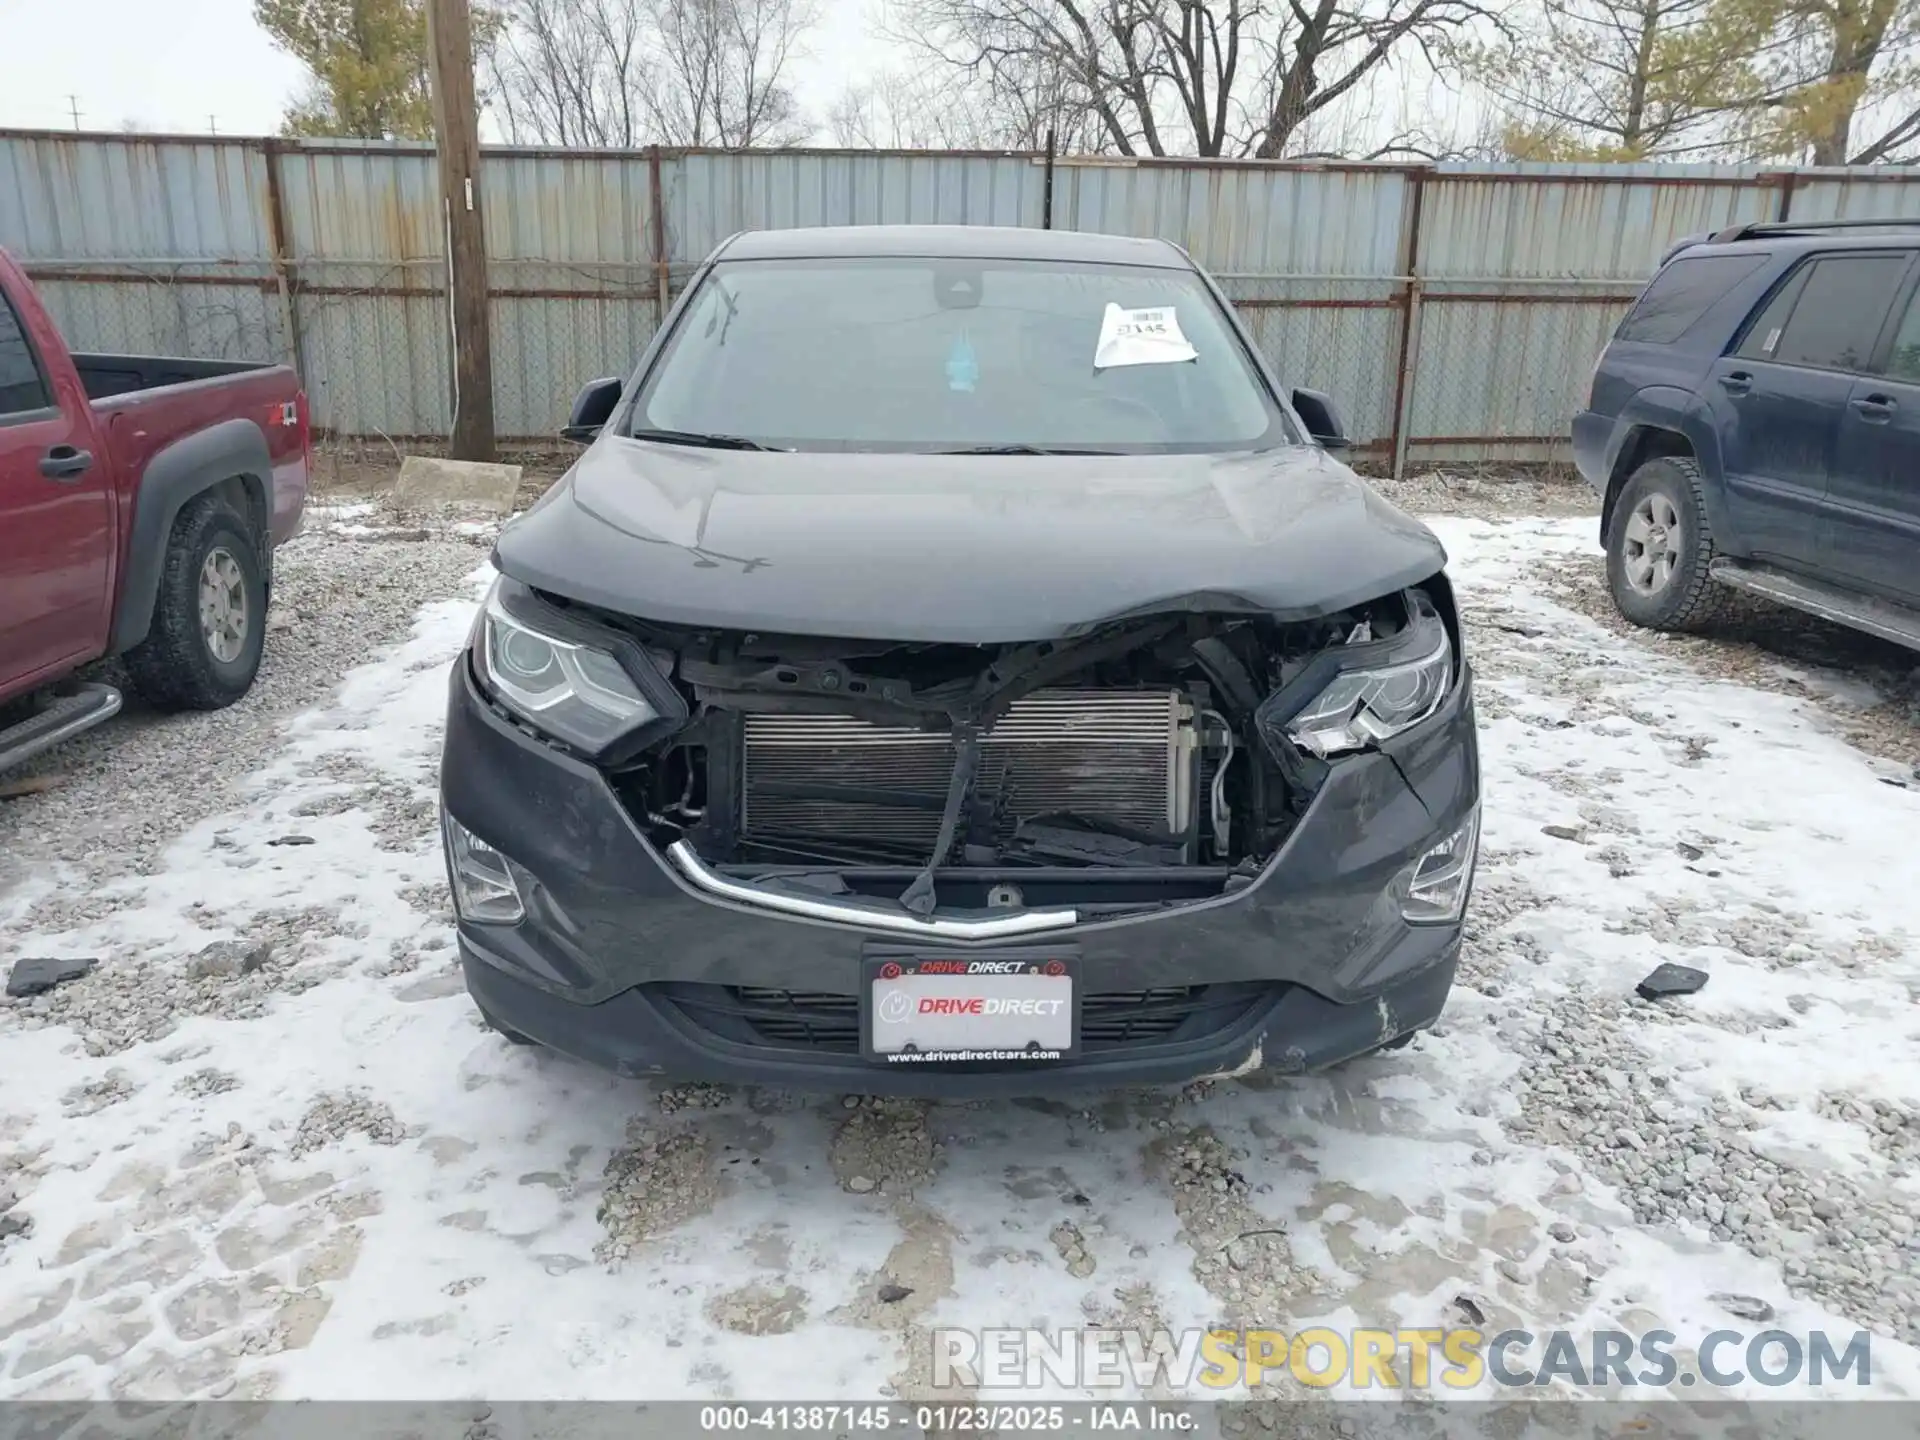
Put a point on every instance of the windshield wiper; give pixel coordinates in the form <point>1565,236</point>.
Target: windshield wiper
<point>1021,450</point>
<point>695,437</point>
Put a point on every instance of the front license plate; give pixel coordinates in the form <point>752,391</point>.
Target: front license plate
<point>935,1010</point>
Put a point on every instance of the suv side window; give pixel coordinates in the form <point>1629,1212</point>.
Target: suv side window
<point>21,386</point>
<point>1681,293</point>
<point>1903,361</point>
<point>1828,316</point>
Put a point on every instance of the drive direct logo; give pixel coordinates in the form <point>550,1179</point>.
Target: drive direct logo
<point>973,967</point>
<point>979,1005</point>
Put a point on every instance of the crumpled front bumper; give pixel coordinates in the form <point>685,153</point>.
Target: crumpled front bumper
<point>614,932</point>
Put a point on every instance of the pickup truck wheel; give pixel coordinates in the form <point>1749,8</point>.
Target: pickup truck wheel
<point>1660,547</point>
<point>209,613</point>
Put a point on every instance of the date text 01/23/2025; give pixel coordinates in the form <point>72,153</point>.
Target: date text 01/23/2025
<point>929,1419</point>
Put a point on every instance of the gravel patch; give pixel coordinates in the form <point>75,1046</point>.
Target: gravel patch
<point>330,1119</point>
<point>653,1183</point>
<point>759,1309</point>
<point>202,1083</point>
<point>1594,1083</point>
<point>139,996</point>
<point>1596,1076</point>
<point>884,1146</point>
<point>1489,495</point>
<point>336,604</point>
<point>1869,687</point>
<point>1240,1255</point>
<point>96,1095</point>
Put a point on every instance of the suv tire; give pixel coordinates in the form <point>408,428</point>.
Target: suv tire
<point>209,613</point>
<point>1660,548</point>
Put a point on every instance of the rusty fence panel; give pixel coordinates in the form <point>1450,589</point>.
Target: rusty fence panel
<point>1522,273</point>
<point>143,245</point>
<point>1454,312</point>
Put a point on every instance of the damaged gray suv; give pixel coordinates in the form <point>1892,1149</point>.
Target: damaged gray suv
<point>955,667</point>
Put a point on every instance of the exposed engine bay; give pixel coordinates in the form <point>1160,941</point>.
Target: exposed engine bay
<point>1146,758</point>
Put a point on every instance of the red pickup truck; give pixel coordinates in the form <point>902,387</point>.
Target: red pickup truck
<point>141,498</point>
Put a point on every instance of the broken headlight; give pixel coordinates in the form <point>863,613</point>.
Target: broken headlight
<point>575,688</point>
<point>1368,690</point>
<point>1361,707</point>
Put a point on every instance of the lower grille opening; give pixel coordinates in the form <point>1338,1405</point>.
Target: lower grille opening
<point>829,1023</point>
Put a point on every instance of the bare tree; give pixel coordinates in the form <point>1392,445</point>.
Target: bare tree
<point>1207,77</point>
<point>1616,80</point>
<point>571,72</point>
<point>1833,65</point>
<point>897,111</point>
<point>632,72</point>
<point>1896,134</point>
<point>722,61</point>
<point>916,110</point>
<point>1014,109</point>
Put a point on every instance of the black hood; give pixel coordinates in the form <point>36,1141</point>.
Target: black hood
<point>967,549</point>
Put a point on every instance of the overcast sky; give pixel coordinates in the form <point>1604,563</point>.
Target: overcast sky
<point>185,65</point>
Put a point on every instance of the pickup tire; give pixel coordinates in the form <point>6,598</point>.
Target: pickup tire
<point>209,612</point>
<point>1660,549</point>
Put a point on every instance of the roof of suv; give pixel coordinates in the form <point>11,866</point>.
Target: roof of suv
<point>960,242</point>
<point>1793,237</point>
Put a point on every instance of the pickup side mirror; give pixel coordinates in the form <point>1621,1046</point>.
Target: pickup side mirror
<point>1322,419</point>
<point>592,408</point>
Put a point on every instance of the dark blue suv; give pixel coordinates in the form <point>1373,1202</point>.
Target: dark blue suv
<point>1755,424</point>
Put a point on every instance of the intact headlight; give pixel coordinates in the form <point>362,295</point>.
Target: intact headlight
<point>1361,707</point>
<point>574,691</point>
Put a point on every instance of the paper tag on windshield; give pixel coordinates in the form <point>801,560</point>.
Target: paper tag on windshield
<point>1141,337</point>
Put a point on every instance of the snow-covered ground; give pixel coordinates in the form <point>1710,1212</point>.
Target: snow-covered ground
<point>267,1148</point>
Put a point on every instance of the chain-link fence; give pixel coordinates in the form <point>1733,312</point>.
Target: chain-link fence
<point>1517,358</point>
<point>1452,313</point>
<point>1337,334</point>
<point>160,310</point>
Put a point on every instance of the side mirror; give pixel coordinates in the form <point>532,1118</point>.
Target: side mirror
<point>592,408</point>
<point>1322,419</point>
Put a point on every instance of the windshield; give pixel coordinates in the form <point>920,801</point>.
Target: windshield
<point>945,354</point>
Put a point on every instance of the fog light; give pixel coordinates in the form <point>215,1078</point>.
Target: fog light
<point>484,892</point>
<point>1438,883</point>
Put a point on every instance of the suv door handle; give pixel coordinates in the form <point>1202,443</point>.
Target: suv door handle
<point>1875,409</point>
<point>63,462</point>
<point>1736,382</point>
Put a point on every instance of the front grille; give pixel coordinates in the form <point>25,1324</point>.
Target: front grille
<point>815,1020</point>
<point>1126,756</point>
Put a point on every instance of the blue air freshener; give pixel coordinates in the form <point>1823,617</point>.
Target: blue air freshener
<point>963,371</point>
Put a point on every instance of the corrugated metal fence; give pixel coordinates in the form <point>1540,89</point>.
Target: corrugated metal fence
<point>1454,311</point>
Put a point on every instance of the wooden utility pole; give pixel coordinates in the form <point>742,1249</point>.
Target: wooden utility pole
<point>456,130</point>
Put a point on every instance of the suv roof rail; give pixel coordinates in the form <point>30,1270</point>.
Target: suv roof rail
<point>1753,229</point>
<point>1686,243</point>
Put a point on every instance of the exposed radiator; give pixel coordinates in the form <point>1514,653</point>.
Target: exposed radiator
<point>1128,756</point>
